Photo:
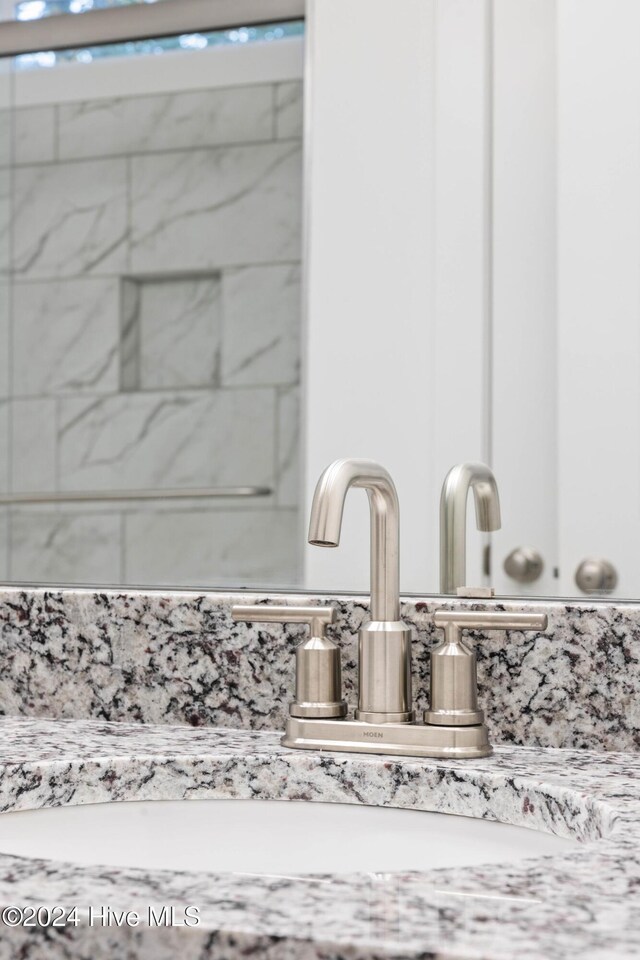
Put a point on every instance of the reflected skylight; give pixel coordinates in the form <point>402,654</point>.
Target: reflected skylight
<point>37,9</point>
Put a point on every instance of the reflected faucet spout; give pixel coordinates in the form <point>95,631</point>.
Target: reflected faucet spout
<point>453,518</point>
<point>326,523</point>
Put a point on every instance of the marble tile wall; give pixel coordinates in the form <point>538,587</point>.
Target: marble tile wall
<point>149,324</point>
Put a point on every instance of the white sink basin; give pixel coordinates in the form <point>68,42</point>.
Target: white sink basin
<point>266,837</point>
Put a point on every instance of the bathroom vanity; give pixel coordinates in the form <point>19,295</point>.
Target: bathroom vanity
<point>238,240</point>
<point>152,696</point>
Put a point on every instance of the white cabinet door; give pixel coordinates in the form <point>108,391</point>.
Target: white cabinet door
<point>566,275</point>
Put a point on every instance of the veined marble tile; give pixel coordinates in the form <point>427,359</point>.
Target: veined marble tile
<point>4,444</point>
<point>6,177</point>
<point>203,118</point>
<point>34,131</point>
<point>4,544</point>
<point>289,110</point>
<point>178,337</point>
<point>167,439</point>
<point>129,334</point>
<point>66,336</point>
<point>206,209</point>
<point>5,138</point>
<point>70,219</point>
<point>288,452</point>
<point>62,548</point>
<point>216,546</point>
<point>262,321</point>
<point>5,321</point>
<point>33,445</point>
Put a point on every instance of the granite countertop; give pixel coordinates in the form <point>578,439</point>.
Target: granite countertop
<point>581,904</point>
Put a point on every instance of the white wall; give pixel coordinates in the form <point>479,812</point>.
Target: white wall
<point>370,100</point>
<point>462,271</point>
<point>396,164</point>
<point>524,418</point>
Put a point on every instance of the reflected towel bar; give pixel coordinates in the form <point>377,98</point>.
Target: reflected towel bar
<point>90,496</point>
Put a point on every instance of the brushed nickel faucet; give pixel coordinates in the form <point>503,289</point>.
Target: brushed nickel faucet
<point>384,642</point>
<point>384,718</point>
<point>453,518</point>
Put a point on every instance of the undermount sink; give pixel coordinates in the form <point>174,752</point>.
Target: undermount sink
<point>266,837</point>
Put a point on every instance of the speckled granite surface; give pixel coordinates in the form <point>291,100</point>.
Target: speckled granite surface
<point>582,904</point>
<point>177,657</point>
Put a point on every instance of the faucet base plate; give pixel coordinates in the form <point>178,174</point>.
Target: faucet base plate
<point>399,739</point>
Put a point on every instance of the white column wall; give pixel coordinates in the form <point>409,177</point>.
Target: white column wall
<point>462,274</point>
<point>525,413</point>
<point>394,332</point>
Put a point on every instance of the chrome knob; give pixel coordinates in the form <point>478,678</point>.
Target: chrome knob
<point>596,576</point>
<point>524,564</point>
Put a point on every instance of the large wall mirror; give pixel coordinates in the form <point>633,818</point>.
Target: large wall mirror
<point>238,241</point>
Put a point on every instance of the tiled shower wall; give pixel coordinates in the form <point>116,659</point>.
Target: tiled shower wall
<point>152,338</point>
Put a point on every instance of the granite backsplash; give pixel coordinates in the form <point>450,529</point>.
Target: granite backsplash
<point>176,657</point>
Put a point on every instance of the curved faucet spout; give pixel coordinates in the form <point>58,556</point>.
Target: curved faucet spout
<point>326,523</point>
<point>453,518</point>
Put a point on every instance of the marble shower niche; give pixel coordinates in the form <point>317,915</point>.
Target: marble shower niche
<point>170,332</point>
<point>154,335</point>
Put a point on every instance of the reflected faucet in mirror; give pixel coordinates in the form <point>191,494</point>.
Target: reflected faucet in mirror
<point>453,518</point>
